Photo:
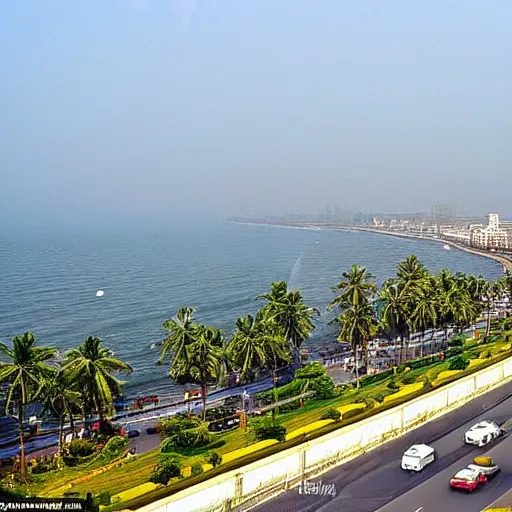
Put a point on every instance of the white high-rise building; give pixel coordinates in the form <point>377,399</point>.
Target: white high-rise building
<point>492,236</point>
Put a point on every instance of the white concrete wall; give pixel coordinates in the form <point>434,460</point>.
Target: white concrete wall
<point>335,447</point>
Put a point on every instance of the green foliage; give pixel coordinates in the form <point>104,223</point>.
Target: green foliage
<point>196,469</point>
<point>409,379</point>
<point>290,406</point>
<point>459,363</point>
<point>332,414</point>
<point>170,427</point>
<point>427,386</point>
<point>452,352</point>
<point>311,371</point>
<point>103,498</point>
<point>323,387</point>
<point>115,446</point>
<point>457,341</point>
<point>186,439</point>
<point>165,470</point>
<point>419,363</point>
<point>392,385</point>
<point>81,448</point>
<point>213,458</point>
<point>378,397</point>
<point>289,390</point>
<point>267,429</point>
<point>375,377</point>
<point>217,413</point>
<point>43,464</point>
<point>352,413</point>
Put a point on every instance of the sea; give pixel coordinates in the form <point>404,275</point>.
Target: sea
<point>49,281</point>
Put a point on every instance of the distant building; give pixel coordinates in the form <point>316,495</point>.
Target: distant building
<point>491,237</point>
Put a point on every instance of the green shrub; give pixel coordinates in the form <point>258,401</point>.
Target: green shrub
<point>268,430</point>
<point>375,377</point>
<point>459,363</point>
<point>289,390</point>
<point>331,414</point>
<point>452,352</point>
<point>167,445</point>
<point>323,387</point>
<point>418,363</point>
<point>379,397</point>
<point>213,458</point>
<point>115,446</point>
<point>217,413</point>
<point>457,341</point>
<point>216,444</point>
<point>409,379</point>
<point>43,464</point>
<point>81,448</point>
<point>165,470</point>
<point>290,406</point>
<point>196,469</point>
<point>103,498</point>
<point>392,385</point>
<point>186,439</point>
<point>352,413</point>
<point>487,354</point>
<point>427,386</point>
<point>170,427</point>
<point>310,371</point>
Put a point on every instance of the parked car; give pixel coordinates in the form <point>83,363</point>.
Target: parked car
<point>417,457</point>
<point>468,480</point>
<point>483,433</point>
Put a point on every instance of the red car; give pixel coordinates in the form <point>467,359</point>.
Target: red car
<point>468,480</point>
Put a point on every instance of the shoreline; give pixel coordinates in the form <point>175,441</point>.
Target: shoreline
<point>505,262</point>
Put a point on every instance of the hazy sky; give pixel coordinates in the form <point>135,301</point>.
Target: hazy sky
<point>145,108</point>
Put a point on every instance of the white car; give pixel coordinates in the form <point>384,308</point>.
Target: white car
<point>483,433</point>
<point>417,457</point>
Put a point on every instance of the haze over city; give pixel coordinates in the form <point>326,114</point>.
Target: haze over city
<point>154,109</point>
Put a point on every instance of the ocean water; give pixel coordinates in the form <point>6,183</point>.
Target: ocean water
<point>48,283</point>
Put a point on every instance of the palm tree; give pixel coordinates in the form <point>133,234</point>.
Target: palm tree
<point>424,316</point>
<point>411,276</point>
<point>26,373</point>
<point>357,288</point>
<point>395,311</point>
<point>206,355</point>
<point>94,367</point>
<point>256,345</point>
<point>62,401</point>
<point>357,324</point>
<point>183,331</point>
<point>288,310</point>
<point>507,285</point>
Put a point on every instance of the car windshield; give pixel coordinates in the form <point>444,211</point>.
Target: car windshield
<point>466,474</point>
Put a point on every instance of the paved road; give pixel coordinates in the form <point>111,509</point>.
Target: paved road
<point>375,479</point>
<point>436,491</point>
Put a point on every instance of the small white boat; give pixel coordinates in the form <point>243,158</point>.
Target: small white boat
<point>446,247</point>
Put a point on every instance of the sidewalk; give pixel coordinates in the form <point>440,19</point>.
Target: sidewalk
<point>502,504</point>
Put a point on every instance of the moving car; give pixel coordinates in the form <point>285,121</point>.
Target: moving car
<point>476,474</point>
<point>483,433</point>
<point>468,480</point>
<point>486,466</point>
<point>417,457</point>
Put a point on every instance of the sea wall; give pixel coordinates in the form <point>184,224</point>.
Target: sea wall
<point>243,488</point>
